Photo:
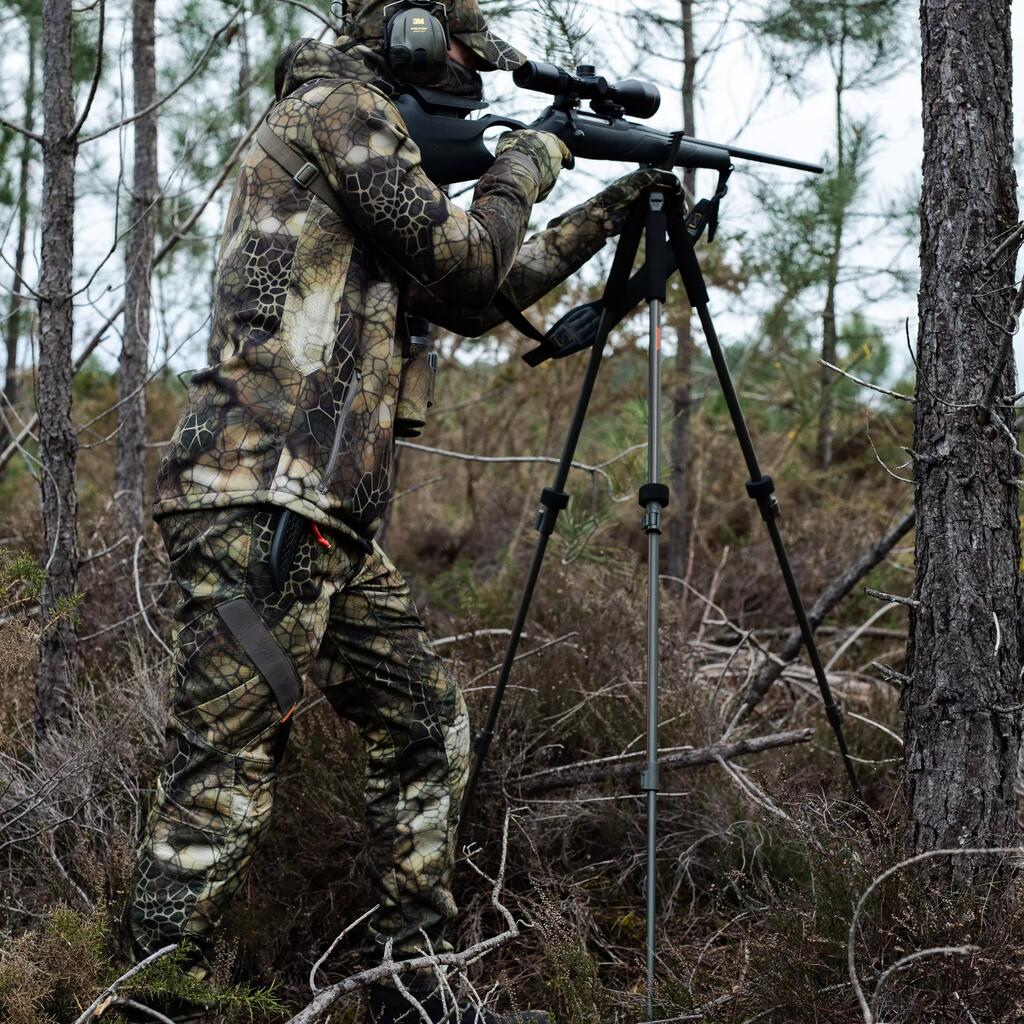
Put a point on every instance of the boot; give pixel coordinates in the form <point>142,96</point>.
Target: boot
<point>388,1006</point>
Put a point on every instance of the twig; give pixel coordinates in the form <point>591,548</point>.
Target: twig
<point>919,955</point>
<point>97,72</point>
<point>192,72</point>
<point>617,768</point>
<point>520,657</point>
<point>856,634</point>
<point>17,128</point>
<point>146,1011</point>
<point>458,637</point>
<point>866,384</point>
<point>890,675</point>
<point>100,1002</point>
<point>138,596</point>
<point>392,969</point>
<point>881,595</point>
<point>330,949</point>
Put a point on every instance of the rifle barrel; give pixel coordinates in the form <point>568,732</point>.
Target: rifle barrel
<point>765,158</point>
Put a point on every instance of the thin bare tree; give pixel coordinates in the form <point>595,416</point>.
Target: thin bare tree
<point>682,398</point>
<point>18,305</point>
<point>130,462</point>
<point>58,446</point>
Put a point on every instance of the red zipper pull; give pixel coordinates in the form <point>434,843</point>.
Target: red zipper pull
<point>320,538</point>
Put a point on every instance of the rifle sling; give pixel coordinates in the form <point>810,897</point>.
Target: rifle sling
<point>304,173</point>
<point>254,637</point>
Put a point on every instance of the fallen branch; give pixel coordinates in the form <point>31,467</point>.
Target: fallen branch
<point>839,589</point>
<point>623,766</point>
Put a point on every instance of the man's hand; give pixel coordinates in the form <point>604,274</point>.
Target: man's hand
<point>548,152</point>
<point>611,204</point>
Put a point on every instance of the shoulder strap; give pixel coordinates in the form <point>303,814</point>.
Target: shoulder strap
<point>305,174</point>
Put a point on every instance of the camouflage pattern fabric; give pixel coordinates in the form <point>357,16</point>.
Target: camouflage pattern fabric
<point>348,622</point>
<point>465,20</point>
<point>297,406</point>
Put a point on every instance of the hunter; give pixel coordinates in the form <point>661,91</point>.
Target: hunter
<point>318,275</point>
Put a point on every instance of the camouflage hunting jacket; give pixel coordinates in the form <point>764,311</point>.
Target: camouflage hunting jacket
<point>297,405</point>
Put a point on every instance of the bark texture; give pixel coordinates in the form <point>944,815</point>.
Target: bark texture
<point>18,305</point>
<point>58,446</point>
<point>962,703</point>
<point>130,468</point>
<point>682,393</point>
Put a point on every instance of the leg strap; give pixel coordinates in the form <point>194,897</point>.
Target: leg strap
<point>258,642</point>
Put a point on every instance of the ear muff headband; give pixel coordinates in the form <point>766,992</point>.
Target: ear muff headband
<point>416,37</point>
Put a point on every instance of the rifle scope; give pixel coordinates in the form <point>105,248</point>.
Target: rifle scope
<point>631,97</point>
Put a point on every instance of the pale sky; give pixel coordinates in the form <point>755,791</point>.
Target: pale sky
<point>782,123</point>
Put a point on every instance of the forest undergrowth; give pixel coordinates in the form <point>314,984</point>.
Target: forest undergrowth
<point>762,860</point>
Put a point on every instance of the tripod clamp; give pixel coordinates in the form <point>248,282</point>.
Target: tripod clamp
<point>552,502</point>
<point>655,499</point>
<point>763,492</point>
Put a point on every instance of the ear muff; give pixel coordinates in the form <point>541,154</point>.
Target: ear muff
<point>416,38</point>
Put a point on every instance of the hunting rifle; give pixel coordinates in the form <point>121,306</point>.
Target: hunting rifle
<point>453,147</point>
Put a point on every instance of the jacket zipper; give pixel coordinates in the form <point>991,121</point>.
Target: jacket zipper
<point>339,433</point>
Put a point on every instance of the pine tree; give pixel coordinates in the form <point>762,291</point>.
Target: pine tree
<point>58,445</point>
<point>18,308</point>
<point>962,699</point>
<point>130,460</point>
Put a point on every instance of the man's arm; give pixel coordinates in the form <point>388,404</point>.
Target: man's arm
<point>374,167</point>
<point>546,259</point>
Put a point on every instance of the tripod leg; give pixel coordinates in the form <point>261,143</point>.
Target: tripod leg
<point>554,499</point>
<point>760,487</point>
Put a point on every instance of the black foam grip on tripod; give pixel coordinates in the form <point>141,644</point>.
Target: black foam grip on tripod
<point>656,252</point>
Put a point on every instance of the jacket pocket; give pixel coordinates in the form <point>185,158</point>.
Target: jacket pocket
<point>310,320</point>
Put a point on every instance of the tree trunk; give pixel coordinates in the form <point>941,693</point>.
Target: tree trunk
<point>130,471</point>
<point>962,724</point>
<point>829,332</point>
<point>15,310</point>
<point>682,396</point>
<point>58,647</point>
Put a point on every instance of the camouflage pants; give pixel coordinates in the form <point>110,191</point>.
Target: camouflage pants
<point>346,620</point>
